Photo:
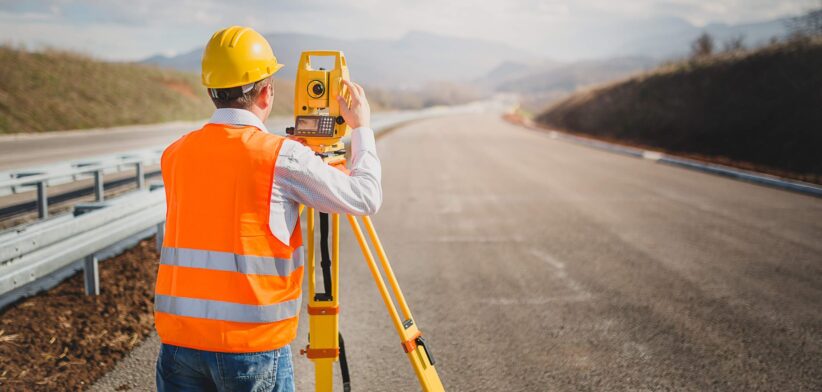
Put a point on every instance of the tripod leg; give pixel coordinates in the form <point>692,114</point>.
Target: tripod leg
<point>323,310</point>
<point>309,253</point>
<point>413,343</point>
<point>389,272</point>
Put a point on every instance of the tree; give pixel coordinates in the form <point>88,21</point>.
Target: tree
<point>806,25</point>
<point>734,44</point>
<point>703,46</point>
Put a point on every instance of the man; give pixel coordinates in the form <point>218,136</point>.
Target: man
<point>229,285</point>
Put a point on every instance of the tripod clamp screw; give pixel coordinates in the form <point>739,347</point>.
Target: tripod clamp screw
<point>323,310</point>
<point>315,353</point>
<point>417,340</point>
<point>410,344</point>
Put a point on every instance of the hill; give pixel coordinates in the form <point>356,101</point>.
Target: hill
<point>58,90</point>
<point>545,82</point>
<point>758,109</point>
<point>53,90</point>
<point>570,76</point>
<point>408,62</point>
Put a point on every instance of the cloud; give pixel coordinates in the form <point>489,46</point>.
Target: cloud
<point>131,29</point>
<point>730,11</point>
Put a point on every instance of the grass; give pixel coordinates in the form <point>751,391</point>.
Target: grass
<point>760,109</point>
<point>54,90</point>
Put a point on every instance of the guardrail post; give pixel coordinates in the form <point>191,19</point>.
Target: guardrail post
<point>161,231</point>
<point>42,200</point>
<point>91,275</point>
<point>141,177</point>
<point>98,185</point>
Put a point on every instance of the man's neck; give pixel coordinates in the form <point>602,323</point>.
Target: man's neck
<point>258,112</point>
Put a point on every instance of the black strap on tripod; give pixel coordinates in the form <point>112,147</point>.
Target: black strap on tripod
<point>325,260</point>
<point>325,266</point>
<point>344,367</point>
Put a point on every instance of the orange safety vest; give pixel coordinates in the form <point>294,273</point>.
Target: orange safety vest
<point>225,282</point>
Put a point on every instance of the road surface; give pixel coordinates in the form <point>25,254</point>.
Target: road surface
<point>26,150</point>
<point>533,264</point>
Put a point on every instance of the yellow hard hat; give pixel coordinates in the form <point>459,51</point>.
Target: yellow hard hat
<point>237,56</point>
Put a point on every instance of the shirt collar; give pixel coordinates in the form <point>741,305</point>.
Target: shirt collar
<point>232,116</point>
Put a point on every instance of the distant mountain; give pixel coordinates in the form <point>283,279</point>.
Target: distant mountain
<point>617,49</point>
<point>662,37</point>
<point>408,62</point>
<point>613,49</point>
<point>510,70</point>
<point>557,77</point>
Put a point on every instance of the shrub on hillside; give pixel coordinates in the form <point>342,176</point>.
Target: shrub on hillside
<point>760,109</point>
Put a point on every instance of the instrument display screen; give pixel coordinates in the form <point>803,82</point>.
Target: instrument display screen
<point>308,123</point>
<point>314,126</point>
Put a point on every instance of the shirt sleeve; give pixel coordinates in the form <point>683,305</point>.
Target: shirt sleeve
<point>301,176</point>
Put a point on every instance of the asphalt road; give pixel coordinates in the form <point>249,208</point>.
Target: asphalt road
<point>533,264</point>
<point>26,150</point>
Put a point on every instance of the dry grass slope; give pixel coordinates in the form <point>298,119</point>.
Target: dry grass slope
<point>55,90</point>
<point>760,110</point>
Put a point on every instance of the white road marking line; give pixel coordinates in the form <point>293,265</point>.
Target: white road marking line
<point>536,300</point>
<point>540,254</point>
<point>652,155</point>
<point>479,239</point>
<point>451,205</point>
<point>559,272</point>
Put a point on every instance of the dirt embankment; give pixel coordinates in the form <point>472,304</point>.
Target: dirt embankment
<point>63,340</point>
<point>760,110</point>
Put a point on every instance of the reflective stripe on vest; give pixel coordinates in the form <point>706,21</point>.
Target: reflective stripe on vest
<point>226,311</point>
<point>225,261</point>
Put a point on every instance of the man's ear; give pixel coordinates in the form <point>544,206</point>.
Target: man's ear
<point>266,97</point>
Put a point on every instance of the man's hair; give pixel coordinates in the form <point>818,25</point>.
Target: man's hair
<point>235,98</point>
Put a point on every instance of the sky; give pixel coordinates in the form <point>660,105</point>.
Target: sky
<point>136,29</point>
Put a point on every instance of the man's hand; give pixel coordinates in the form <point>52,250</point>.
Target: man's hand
<point>357,113</point>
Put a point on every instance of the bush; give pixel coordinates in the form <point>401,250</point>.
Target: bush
<point>759,109</point>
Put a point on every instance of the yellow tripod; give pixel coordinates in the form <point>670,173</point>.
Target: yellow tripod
<point>319,122</point>
<point>324,339</point>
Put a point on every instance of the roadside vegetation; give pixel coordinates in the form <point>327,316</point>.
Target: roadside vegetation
<point>55,90</point>
<point>759,109</point>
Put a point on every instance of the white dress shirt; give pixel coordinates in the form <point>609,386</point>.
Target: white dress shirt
<point>301,177</point>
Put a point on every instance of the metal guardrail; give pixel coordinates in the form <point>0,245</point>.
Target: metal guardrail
<point>37,256</point>
<point>44,248</point>
<point>40,178</point>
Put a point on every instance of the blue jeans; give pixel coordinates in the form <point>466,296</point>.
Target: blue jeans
<point>186,369</point>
